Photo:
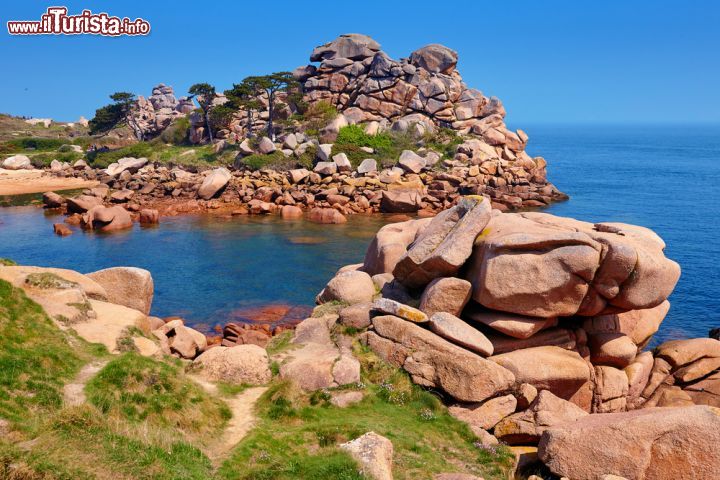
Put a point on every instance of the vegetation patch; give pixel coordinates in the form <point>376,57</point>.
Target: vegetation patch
<point>35,360</point>
<point>48,280</point>
<point>140,389</point>
<point>6,262</point>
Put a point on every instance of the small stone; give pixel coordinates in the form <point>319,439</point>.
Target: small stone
<point>391,307</point>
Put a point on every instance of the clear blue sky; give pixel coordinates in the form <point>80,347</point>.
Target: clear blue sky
<point>548,61</point>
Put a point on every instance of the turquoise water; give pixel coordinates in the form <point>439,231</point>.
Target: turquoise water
<point>213,270</point>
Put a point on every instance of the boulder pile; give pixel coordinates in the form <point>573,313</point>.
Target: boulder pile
<point>530,322</point>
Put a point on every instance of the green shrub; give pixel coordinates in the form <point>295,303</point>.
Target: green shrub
<point>103,159</point>
<point>276,161</point>
<point>38,144</point>
<point>177,132</point>
<point>317,115</point>
<point>6,262</point>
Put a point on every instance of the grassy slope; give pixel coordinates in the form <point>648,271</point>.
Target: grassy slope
<point>144,419</point>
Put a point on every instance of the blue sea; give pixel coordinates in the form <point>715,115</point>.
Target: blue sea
<point>213,270</point>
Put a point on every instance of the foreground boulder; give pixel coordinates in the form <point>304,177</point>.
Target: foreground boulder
<point>128,286</point>
<point>374,454</point>
<point>242,364</point>
<point>318,362</point>
<point>650,444</point>
<point>349,287</point>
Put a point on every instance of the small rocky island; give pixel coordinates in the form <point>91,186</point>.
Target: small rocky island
<point>375,135</point>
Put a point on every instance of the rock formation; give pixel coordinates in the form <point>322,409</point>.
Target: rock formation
<point>154,114</point>
<point>520,302</point>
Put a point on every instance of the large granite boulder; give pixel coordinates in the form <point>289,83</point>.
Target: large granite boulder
<point>390,244</point>
<point>649,444</point>
<point>214,183</point>
<point>540,265</point>
<point>435,58</point>
<point>444,246</point>
<point>17,162</point>
<point>237,365</point>
<point>352,46</point>
<point>129,286</point>
<point>107,219</point>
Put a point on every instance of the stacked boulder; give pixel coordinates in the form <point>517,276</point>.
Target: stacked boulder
<point>527,320</point>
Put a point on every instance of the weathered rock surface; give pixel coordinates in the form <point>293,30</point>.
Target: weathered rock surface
<point>460,333</point>
<point>562,372</point>
<point>435,362</point>
<point>128,286</point>
<point>214,183</point>
<point>540,265</point>
<point>242,364</point>
<point>655,443</point>
<point>448,294</point>
<point>546,411</point>
<point>349,287</point>
<point>445,244</point>
<point>107,219</point>
<point>374,453</point>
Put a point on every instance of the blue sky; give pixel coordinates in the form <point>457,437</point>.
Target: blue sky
<point>549,62</point>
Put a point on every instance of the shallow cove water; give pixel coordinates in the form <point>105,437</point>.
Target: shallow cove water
<point>211,270</point>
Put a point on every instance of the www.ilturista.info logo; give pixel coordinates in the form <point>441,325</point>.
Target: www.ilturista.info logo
<point>56,21</point>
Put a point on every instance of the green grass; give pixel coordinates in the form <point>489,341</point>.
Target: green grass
<point>140,389</point>
<point>279,343</point>
<point>6,262</point>
<point>34,360</point>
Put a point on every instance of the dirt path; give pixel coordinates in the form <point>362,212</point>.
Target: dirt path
<point>18,182</point>
<point>242,421</point>
<point>74,393</point>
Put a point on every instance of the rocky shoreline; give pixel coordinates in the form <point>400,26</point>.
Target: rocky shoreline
<point>532,328</point>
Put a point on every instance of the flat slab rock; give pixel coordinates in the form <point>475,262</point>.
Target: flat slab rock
<point>460,333</point>
<point>434,362</point>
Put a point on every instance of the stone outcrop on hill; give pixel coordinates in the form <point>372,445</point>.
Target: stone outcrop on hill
<point>536,303</point>
<point>424,90</point>
<point>154,114</point>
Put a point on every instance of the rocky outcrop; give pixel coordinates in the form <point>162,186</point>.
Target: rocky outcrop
<point>154,114</point>
<point>318,361</point>
<point>243,364</point>
<point>532,323</point>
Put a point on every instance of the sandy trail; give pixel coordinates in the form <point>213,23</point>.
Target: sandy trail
<point>19,182</point>
<point>74,393</point>
<point>243,418</point>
